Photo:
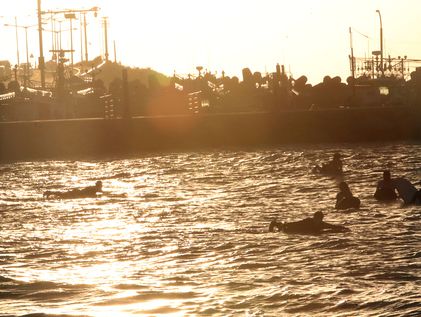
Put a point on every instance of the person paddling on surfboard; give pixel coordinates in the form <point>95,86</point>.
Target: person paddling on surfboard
<point>312,225</point>
<point>90,191</point>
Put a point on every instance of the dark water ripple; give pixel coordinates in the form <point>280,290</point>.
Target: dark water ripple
<point>185,234</point>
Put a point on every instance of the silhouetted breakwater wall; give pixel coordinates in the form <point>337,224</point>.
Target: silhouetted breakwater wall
<point>100,137</point>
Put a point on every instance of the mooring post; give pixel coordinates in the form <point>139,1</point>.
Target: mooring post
<point>126,96</point>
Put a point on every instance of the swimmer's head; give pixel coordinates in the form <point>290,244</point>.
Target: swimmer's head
<point>386,175</point>
<point>318,216</point>
<point>343,187</point>
<point>337,155</point>
<point>98,184</point>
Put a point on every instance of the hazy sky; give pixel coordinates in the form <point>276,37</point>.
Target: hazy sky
<point>309,37</point>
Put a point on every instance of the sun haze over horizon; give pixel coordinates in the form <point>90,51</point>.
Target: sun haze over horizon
<point>309,37</point>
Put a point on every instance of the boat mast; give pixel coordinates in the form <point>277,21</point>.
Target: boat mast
<point>352,54</point>
<point>41,64</point>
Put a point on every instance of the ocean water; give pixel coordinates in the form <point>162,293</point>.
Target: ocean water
<point>186,234</point>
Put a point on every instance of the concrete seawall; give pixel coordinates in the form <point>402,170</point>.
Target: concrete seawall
<point>99,137</point>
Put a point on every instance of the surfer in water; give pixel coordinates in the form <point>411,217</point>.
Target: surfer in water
<point>334,167</point>
<point>345,199</point>
<point>386,189</point>
<point>87,192</point>
<point>314,225</point>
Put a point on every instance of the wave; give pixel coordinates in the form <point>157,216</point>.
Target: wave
<point>148,296</point>
<point>194,232</point>
<point>49,315</point>
<point>394,276</point>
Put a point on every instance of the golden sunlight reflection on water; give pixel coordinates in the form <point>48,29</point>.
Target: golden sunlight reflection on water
<point>186,235</point>
<point>158,308</point>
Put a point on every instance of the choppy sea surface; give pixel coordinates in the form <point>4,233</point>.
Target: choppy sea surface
<point>186,234</point>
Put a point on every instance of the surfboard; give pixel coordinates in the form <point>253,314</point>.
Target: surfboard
<point>405,189</point>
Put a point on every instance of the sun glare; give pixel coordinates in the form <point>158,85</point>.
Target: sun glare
<point>309,37</point>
